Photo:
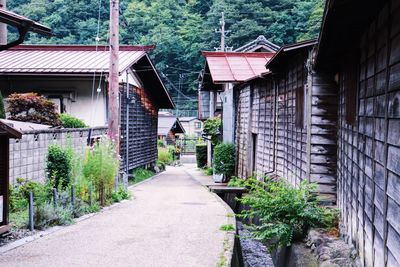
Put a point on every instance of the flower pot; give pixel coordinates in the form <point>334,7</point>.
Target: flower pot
<point>218,178</point>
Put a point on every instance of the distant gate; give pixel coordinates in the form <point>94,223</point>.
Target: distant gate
<point>188,145</point>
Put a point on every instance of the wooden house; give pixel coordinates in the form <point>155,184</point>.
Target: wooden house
<point>328,111</point>
<point>169,128</point>
<point>359,47</point>
<point>216,95</point>
<point>192,125</point>
<point>286,125</point>
<point>222,72</point>
<point>75,77</point>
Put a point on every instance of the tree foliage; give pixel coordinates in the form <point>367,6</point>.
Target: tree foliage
<point>2,110</point>
<point>180,29</point>
<point>31,107</point>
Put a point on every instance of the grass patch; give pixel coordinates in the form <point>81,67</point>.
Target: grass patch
<point>222,259</point>
<point>140,175</point>
<point>208,171</point>
<point>230,215</point>
<point>227,227</point>
<point>19,219</point>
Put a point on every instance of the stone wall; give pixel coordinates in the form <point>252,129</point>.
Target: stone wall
<point>28,155</point>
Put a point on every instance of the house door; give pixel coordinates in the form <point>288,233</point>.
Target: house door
<point>253,160</point>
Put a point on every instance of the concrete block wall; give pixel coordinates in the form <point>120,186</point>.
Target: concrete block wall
<point>28,155</point>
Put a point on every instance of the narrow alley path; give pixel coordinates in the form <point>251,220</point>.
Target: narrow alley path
<point>172,221</point>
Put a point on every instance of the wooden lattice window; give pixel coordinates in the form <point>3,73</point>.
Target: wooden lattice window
<point>300,106</point>
<point>351,88</point>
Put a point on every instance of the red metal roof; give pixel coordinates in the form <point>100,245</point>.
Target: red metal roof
<point>66,59</point>
<point>234,67</point>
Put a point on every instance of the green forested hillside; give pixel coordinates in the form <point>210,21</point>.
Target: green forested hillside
<point>179,28</point>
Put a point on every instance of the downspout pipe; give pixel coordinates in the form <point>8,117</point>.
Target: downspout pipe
<point>275,124</point>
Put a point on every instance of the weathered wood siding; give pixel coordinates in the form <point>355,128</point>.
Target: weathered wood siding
<point>291,139</point>
<point>142,120</point>
<point>369,150</point>
<point>242,130</point>
<point>322,138</point>
<point>293,119</point>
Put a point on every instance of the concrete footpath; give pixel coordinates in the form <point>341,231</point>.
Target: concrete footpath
<point>171,221</point>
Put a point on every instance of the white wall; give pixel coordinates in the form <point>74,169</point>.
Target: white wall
<point>228,116</point>
<point>76,93</point>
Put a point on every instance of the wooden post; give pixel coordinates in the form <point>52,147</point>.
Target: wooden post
<point>31,224</point>
<point>113,82</point>
<point>3,26</point>
<point>55,197</point>
<point>72,196</point>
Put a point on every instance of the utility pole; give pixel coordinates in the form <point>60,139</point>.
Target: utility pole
<point>222,31</point>
<point>212,93</point>
<point>3,26</point>
<point>113,81</point>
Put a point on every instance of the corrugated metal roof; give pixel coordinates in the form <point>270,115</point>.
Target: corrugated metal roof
<point>66,59</point>
<point>228,67</point>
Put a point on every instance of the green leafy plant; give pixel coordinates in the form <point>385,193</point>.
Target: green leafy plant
<point>141,174</point>
<point>160,143</point>
<point>201,155</point>
<point>19,194</point>
<point>58,166</point>
<point>31,107</point>
<point>212,127</point>
<point>285,212</point>
<point>208,171</point>
<point>120,194</point>
<point>227,227</point>
<point>224,159</point>
<point>236,182</point>
<point>101,167</point>
<point>2,110</point>
<point>69,121</point>
<point>165,155</point>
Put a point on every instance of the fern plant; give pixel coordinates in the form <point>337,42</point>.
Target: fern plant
<point>285,213</point>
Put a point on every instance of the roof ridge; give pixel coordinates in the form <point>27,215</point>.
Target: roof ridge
<point>74,47</point>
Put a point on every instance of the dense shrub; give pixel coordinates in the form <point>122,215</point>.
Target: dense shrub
<point>224,159</point>
<point>201,155</point>
<point>19,194</point>
<point>165,155</point>
<point>69,121</point>
<point>285,212</point>
<point>31,107</point>
<point>101,167</point>
<point>58,166</point>
<point>2,110</point>
<point>49,215</point>
<point>212,127</point>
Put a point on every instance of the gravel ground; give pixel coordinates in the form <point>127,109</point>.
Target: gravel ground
<point>254,253</point>
<point>172,221</point>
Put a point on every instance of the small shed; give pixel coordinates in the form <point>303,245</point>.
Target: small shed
<point>6,132</point>
<point>168,127</point>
